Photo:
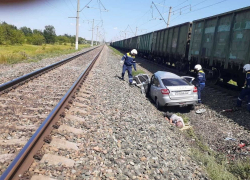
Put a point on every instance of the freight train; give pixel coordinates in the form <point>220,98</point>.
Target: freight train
<point>220,43</point>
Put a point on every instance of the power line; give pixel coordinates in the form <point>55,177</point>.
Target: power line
<point>199,3</point>
<point>102,5</point>
<point>54,7</point>
<point>147,12</point>
<point>184,7</point>
<point>207,6</point>
<point>71,4</point>
<point>159,12</point>
<point>86,5</point>
<point>202,8</point>
<point>180,4</point>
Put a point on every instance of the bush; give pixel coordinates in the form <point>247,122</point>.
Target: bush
<point>37,39</point>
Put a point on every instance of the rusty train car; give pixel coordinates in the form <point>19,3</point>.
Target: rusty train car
<point>220,43</point>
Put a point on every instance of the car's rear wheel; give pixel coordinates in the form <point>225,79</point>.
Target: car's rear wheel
<point>158,106</point>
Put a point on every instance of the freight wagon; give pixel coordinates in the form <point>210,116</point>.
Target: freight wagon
<point>170,45</point>
<point>220,43</point>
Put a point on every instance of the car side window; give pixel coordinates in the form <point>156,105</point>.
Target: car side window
<point>152,80</point>
<point>156,82</point>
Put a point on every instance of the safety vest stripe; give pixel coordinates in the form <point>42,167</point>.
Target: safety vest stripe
<point>130,55</point>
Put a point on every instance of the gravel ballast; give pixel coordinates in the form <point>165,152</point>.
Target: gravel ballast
<point>133,138</point>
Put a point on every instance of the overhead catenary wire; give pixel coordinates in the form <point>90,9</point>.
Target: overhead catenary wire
<point>86,5</point>
<point>68,5</point>
<point>152,19</point>
<point>136,20</point>
<point>185,9</point>
<point>159,12</point>
<point>102,4</point>
<point>180,4</point>
<point>54,7</point>
<point>202,8</point>
<point>73,5</point>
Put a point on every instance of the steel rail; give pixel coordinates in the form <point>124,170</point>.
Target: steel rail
<point>25,158</point>
<point>28,76</point>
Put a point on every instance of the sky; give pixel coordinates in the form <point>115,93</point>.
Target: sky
<point>114,19</point>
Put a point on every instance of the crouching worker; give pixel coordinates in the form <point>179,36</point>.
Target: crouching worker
<point>174,119</point>
<point>129,60</point>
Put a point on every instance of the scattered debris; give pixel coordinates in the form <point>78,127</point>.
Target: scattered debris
<point>142,81</point>
<point>200,111</point>
<point>229,138</point>
<point>230,110</point>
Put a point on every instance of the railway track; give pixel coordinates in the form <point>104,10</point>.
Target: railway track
<point>28,100</point>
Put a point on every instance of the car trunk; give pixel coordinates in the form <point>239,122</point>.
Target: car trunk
<point>181,92</point>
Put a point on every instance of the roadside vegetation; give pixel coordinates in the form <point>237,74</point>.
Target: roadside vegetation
<point>139,71</point>
<point>116,52</point>
<point>24,44</point>
<point>32,53</point>
<point>217,165</point>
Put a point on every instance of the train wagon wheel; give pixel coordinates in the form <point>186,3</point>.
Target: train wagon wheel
<point>216,76</point>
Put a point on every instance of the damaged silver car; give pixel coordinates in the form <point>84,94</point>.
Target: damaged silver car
<point>169,89</point>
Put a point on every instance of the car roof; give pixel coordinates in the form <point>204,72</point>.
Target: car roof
<point>164,74</point>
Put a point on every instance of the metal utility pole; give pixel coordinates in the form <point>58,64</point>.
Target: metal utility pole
<point>92,31</point>
<point>77,23</point>
<point>136,31</point>
<point>169,15</point>
<point>96,36</point>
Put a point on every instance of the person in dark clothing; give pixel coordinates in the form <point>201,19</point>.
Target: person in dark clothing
<point>200,79</point>
<point>246,90</point>
<point>129,61</point>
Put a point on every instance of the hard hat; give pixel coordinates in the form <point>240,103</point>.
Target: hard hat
<point>197,67</point>
<point>134,51</point>
<point>246,67</point>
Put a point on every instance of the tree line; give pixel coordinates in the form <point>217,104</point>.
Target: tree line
<point>10,35</point>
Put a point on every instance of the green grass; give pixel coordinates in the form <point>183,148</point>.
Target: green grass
<point>116,52</point>
<point>240,169</point>
<point>215,170</point>
<point>215,164</point>
<point>135,73</point>
<point>32,53</point>
<point>185,118</point>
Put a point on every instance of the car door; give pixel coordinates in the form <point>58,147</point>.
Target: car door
<point>154,87</point>
<point>158,88</point>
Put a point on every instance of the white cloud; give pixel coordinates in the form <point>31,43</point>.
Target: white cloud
<point>115,28</point>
